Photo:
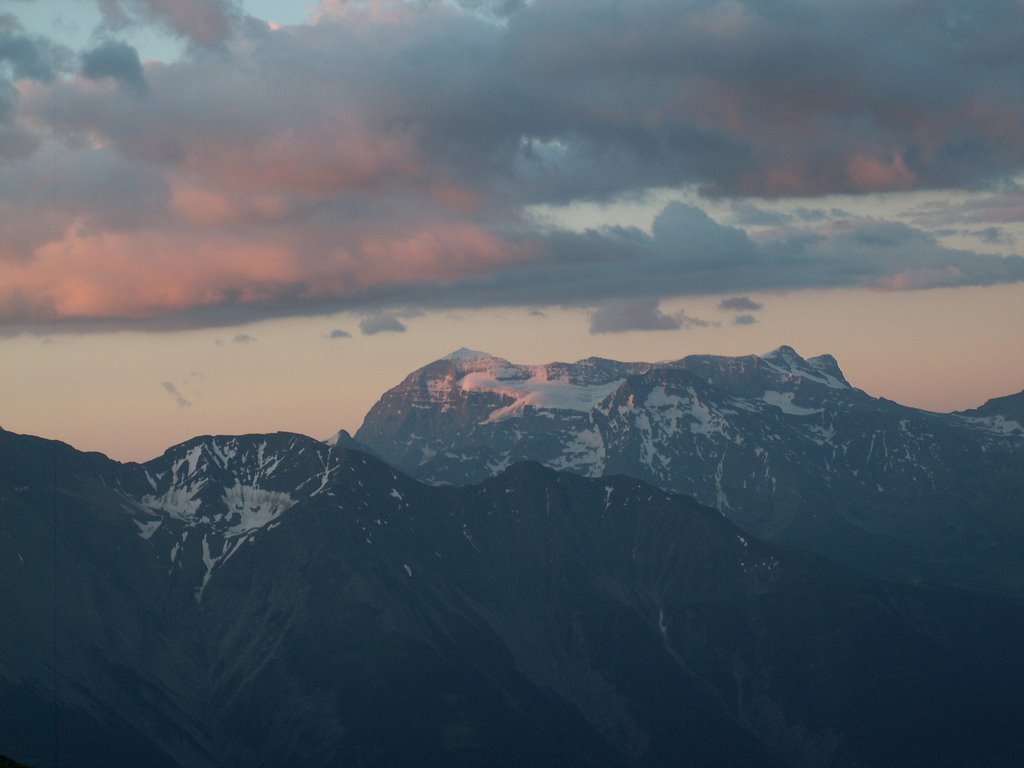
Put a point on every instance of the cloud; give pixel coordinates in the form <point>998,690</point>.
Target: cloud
<point>867,97</point>
<point>203,22</point>
<point>820,214</point>
<point>750,215</point>
<point>639,315</point>
<point>23,57</point>
<point>131,279</point>
<point>381,323</point>
<point>493,9</point>
<point>244,338</point>
<point>993,236</point>
<point>744,320</point>
<point>172,390</point>
<point>29,56</point>
<point>338,333</point>
<point>385,155</point>
<point>1003,203</point>
<point>688,321</point>
<point>739,303</point>
<point>116,60</point>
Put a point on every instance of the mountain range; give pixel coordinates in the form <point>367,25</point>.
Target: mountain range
<point>274,600</point>
<point>785,447</point>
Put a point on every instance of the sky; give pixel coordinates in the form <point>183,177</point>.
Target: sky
<point>226,217</point>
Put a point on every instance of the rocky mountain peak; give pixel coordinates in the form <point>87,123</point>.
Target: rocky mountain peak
<point>782,445</point>
<point>464,353</point>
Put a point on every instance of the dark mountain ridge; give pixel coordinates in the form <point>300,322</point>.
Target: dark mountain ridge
<point>273,600</point>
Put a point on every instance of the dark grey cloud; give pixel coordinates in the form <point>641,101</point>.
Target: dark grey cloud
<point>172,390</point>
<point>22,56</point>
<point>381,323</point>
<point>595,267</point>
<point>812,215</point>
<point>338,333</point>
<point>786,97</point>
<point>116,60</point>
<point>748,215</point>
<point>744,320</point>
<point>690,254</point>
<point>719,259</point>
<point>992,235</point>
<point>27,55</point>
<point>745,98</point>
<point>640,315</point>
<point>999,203</point>
<point>96,190</point>
<point>739,304</point>
<point>203,22</point>
<point>388,164</point>
<point>689,321</point>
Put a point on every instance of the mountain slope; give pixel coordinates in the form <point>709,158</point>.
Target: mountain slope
<point>272,600</point>
<point>784,447</point>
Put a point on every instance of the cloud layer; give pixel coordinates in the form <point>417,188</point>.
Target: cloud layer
<point>171,389</point>
<point>381,323</point>
<point>640,315</point>
<point>384,156</point>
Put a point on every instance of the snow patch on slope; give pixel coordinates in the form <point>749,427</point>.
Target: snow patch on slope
<point>178,501</point>
<point>534,389</point>
<point>585,454</point>
<point>668,412</point>
<point>250,508</point>
<point>148,528</point>
<point>784,402</point>
<point>999,425</point>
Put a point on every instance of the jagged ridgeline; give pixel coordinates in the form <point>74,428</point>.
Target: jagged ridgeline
<point>271,600</point>
<point>784,447</point>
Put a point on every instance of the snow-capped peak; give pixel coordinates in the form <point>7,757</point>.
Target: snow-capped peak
<point>463,353</point>
<point>823,369</point>
<point>784,353</point>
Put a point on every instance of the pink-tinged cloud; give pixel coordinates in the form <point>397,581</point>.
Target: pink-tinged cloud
<point>920,278</point>
<point>335,158</point>
<point>204,22</point>
<point>434,254</point>
<point>375,11</point>
<point>462,199</point>
<point>204,207</point>
<point>868,173</point>
<point>146,275</point>
<point>388,152</point>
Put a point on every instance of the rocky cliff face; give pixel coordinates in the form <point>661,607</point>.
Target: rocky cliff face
<point>272,600</point>
<point>784,447</point>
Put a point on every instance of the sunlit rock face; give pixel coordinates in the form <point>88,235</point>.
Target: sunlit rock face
<point>783,446</point>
